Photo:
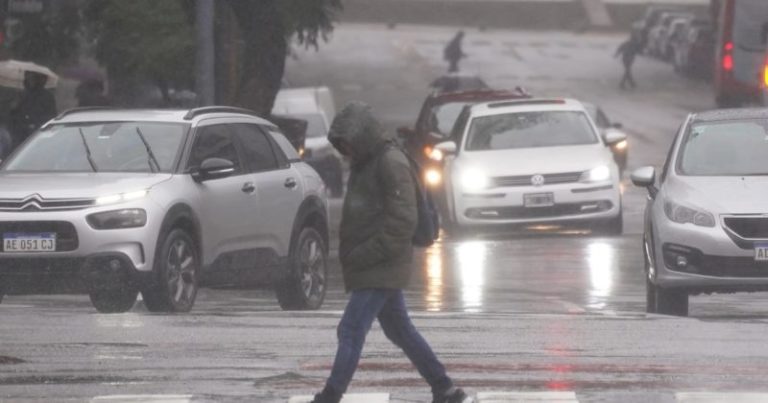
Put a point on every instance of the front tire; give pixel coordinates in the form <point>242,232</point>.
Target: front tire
<point>117,300</point>
<point>176,267</point>
<point>671,302</point>
<point>302,284</point>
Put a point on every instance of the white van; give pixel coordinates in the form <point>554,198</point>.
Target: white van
<point>316,106</point>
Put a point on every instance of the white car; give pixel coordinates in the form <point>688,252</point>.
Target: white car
<point>530,161</point>
<point>706,221</point>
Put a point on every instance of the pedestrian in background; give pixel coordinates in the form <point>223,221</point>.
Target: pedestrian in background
<point>453,52</point>
<point>379,218</point>
<point>628,52</point>
<point>36,105</point>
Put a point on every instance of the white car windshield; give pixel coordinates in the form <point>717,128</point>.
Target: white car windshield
<point>316,126</point>
<point>736,148</point>
<point>530,130</point>
<point>101,147</point>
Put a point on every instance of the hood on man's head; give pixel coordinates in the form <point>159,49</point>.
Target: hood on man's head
<point>356,126</point>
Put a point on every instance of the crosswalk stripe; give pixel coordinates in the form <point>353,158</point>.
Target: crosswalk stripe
<point>721,397</point>
<point>142,399</point>
<point>349,398</point>
<point>527,397</point>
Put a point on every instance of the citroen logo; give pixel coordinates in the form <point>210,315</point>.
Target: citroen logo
<point>32,201</point>
<point>537,180</point>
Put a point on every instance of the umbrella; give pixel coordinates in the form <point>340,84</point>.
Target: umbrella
<point>12,74</point>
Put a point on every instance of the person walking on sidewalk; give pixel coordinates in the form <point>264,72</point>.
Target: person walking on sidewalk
<point>453,52</point>
<point>628,52</point>
<point>379,218</point>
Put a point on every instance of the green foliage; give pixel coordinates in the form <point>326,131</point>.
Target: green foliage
<point>143,39</point>
<point>48,39</point>
<point>309,20</point>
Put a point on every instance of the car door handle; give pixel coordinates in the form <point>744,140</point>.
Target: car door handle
<point>290,183</point>
<point>249,187</point>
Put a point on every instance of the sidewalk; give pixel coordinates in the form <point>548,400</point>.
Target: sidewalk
<point>511,14</point>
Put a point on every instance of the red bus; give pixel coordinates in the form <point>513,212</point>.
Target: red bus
<point>740,63</point>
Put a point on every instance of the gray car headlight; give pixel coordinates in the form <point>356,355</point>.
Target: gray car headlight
<point>118,219</point>
<point>686,215</point>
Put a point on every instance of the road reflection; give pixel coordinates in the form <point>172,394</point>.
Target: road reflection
<point>471,258</point>
<point>435,283</point>
<point>600,260</point>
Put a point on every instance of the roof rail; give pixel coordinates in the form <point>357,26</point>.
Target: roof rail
<point>217,109</point>
<point>81,109</point>
<point>527,102</point>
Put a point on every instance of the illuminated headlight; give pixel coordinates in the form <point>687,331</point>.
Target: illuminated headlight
<point>433,177</point>
<point>121,197</point>
<point>473,180</point>
<point>599,174</point>
<point>686,215</point>
<point>118,219</point>
<point>622,145</point>
<point>434,154</point>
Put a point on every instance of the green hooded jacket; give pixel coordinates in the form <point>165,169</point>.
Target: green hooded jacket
<point>379,216</point>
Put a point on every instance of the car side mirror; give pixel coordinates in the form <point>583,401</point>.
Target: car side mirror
<point>446,147</point>
<point>214,168</point>
<point>645,177</point>
<point>613,137</point>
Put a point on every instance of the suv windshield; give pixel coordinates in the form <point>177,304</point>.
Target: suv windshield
<point>530,130</point>
<point>316,126</point>
<point>101,147</point>
<point>735,148</point>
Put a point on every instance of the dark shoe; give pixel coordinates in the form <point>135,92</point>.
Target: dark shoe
<point>453,395</point>
<point>327,396</point>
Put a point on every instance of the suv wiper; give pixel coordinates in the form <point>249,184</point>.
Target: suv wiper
<point>152,160</point>
<point>87,151</point>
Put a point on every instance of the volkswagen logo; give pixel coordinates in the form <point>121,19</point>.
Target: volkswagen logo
<point>537,180</point>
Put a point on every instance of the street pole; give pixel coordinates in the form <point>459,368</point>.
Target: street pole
<point>205,70</point>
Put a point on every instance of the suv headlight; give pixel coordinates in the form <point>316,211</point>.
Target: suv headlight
<point>597,174</point>
<point>686,215</point>
<point>473,180</point>
<point>118,219</point>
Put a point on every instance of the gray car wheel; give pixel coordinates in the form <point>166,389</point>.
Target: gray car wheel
<point>302,284</point>
<point>671,302</point>
<point>176,265</point>
<point>114,300</point>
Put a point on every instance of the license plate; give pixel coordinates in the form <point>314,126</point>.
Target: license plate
<point>761,252</point>
<point>29,242</point>
<point>539,200</point>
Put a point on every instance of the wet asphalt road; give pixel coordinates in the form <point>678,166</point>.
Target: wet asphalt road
<point>531,312</point>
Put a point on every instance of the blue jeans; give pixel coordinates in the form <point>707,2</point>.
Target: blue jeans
<point>388,305</point>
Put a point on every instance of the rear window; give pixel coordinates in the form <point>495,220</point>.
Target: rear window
<point>750,24</point>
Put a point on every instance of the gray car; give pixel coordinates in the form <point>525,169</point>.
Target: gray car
<point>706,223</point>
<point>117,202</point>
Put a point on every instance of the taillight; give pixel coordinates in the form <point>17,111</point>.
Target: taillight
<point>728,57</point>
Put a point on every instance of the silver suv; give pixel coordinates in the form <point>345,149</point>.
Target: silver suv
<point>117,202</point>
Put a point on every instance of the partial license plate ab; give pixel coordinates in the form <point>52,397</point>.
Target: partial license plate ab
<point>29,242</point>
<point>761,252</point>
<point>539,200</point>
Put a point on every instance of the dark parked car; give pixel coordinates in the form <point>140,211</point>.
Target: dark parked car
<point>642,27</point>
<point>455,82</point>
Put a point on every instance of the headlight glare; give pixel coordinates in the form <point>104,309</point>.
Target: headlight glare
<point>598,174</point>
<point>118,219</point>
<point>686,215</point>
<point>433,177</point>
<point>473,180</point>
